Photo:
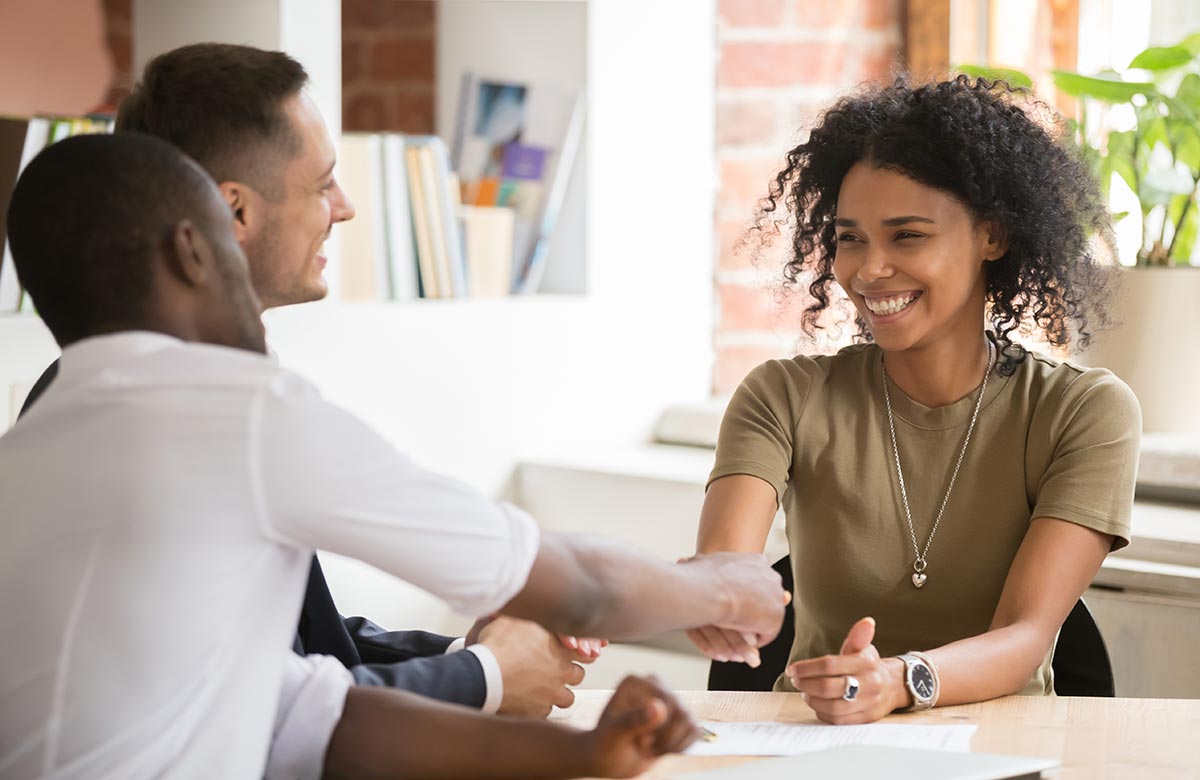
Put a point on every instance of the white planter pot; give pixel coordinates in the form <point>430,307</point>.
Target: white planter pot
<point>1153,346</point>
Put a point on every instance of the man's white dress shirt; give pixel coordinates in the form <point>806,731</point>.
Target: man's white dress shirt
<point>160,504</point>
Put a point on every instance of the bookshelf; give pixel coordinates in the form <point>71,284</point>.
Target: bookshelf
<point>510,88</point>
<point>531,42</point>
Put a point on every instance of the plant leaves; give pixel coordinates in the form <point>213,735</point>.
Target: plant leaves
<point>1014,77</point>
<point>1175,208</point>
<point>1162,58</point>
<point>1191,43</point>
<point>1178,107</point>
<point>1188,92</point>
<point>1153,128</point>
<point>1109,90</point>
<point>1159,187</point>
<point>1118,159</point>
<point>1186,135</point>
<point>1184,242</point>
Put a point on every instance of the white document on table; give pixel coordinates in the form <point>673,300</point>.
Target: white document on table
<point>870,762</point>
<point>792,739</point>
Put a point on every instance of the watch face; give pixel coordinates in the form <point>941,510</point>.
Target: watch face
<point>922,681</point>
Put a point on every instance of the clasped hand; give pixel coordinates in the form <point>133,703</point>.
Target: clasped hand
<point>536,666</point>
<point>823,680</point>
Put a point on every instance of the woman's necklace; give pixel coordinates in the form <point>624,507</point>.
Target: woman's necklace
<point>919,564</point>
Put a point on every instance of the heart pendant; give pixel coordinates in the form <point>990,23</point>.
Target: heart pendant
<point>918,580</point>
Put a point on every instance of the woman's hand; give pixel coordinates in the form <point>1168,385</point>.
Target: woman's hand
<point>823,680</point>
<point>723,644</point>
<point>587,650</point>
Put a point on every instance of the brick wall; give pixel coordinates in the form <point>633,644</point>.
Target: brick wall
<point>780,61</point>
<point>387,62</point>
<point>388,65</point>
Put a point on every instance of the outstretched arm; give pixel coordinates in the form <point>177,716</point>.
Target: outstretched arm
<point>591,587</point>
<point>329,482</point>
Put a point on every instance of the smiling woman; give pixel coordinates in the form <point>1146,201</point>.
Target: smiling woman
<point>936,477</point>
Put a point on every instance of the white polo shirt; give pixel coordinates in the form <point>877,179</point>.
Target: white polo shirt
<point>159,505</point>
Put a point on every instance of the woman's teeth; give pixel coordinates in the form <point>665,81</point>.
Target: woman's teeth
<point>885,306</point>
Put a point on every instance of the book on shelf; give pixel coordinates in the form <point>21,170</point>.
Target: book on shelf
<point>422,230</point>
<point>401,249</point>
<point>362,273</point>
<point>488,241</point>
<point>411,236</point>
<point>20,141</point>
<point>515,146</point>
<point>439,188</point>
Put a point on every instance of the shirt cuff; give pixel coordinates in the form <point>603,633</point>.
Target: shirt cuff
<point>456,645</point>
<point>491,676</point>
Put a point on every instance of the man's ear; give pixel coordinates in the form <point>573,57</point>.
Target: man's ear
<point>995,244</point>
<point>243,203</point>
<point>190,257</point>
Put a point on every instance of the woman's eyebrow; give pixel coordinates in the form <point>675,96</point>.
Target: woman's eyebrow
<point>894,221</point>
<point>889,222</point>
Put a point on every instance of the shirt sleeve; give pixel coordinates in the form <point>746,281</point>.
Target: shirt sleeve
<point>311,700</point>
<point>326,480</point>
<point>1093,471</point>
<point>493,680</point>
<point>491,675</point>
<point>756,436</point>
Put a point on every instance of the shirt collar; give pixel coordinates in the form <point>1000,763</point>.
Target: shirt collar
<point>89,356</point>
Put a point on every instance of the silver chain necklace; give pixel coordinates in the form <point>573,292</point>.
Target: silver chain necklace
<point>919,563</point>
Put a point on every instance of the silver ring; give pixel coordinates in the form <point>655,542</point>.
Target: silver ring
<point>851,688</point>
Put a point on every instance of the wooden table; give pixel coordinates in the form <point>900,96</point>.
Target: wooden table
<point>1092,738</point>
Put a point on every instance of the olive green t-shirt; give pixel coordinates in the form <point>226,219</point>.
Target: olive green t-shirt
<point>1052,440</point>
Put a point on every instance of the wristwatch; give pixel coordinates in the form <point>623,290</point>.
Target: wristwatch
<point>921,679</point>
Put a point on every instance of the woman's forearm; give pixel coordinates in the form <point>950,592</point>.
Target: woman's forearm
<point>997,663</point>
<point>1056,562</point>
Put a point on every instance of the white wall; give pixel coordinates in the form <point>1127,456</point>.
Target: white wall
<point>26,348</point>
<point>470,387</point>
<point>569,370</point>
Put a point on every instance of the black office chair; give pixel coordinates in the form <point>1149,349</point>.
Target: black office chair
<point>774,656</point>
<point>1081,663</point>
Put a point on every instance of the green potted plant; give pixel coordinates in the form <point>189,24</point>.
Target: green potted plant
<point>1142,127</point>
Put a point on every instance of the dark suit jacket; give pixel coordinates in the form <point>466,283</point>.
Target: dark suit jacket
<point>412,660</point>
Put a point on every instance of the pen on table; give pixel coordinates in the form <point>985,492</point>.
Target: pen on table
<point>706,735</point>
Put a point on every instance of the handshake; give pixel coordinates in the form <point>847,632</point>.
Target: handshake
<point>731,603</point>
<point>752,600</point>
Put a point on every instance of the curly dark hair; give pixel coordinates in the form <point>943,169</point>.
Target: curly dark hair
<point>976,140</point>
